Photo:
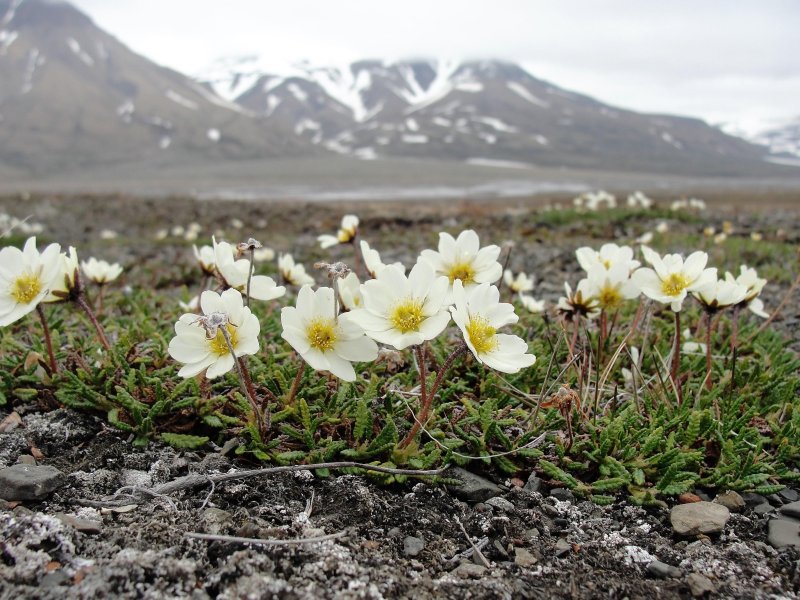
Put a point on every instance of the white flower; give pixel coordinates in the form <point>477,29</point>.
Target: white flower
<point>325,342</point>
<point>690,346</point>
<point>754,284</point>
<point>609,256</point>
<point>464,260</point>
<point>479,313</point>
<point>581,303</point>
<point>100,271</point>
<point>108,234</point>
<point>192,305</point>
<point>25,278</point>
<point>206,258</point>
<point>264,254</point>
<point>235,273</point>
<point>662,227</point>
<point>720,293</point>
<point>200,348</point>
<point>531,304</point>
<point>404,311</point>
<point>67,280</point>
<point>346,234</point>
<point>519,284</point>
<point>350,292</point>
<point>293,273</point>
<point>372,260</point>
<point>645,238</point>
<point>671,279</point>
<point>611,287</point>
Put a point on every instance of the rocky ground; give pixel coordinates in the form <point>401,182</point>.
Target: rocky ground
<point>65,534</point>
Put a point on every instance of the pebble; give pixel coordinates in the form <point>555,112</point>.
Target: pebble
<point>763,508</point>
<point>562,494</point>
<point>216,520</point>
<point>752,499</point>
<point>688,498</point>
<point>470,571</point>
<point>79,524</point>
<point>524,558</point>
<point>413,546</point>
<point>501,504</point>
<point>534,483</point>
<point>662,570</point>
<point>562,547</point>
<point>775,500</point>
<point>474,487</point>
<point>26,459</point>
<point>789,495</point>
<point>698,517</point>
<point>29,482</point>
<point>700,585</point>
<point>783,532</point>
<point>791,510</point>
<point>730,500</point>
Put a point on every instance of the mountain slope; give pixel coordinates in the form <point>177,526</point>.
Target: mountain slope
<point>72,95</point>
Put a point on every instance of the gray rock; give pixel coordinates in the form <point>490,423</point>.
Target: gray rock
<point>775,500</point>
<point>562,494</point>
<point>698,517</point>
<point>662,570</point>
<point>783,532</point>
<point>562,547</point>
<point>216,520</point>
<point>752,499</point>
<point>474,487</point>
<point>730,500</point>
<point>534,483</point>
<point>26,459</point>
<point>763,508</point>
<point>79,524</point>
<point>413,546</point>
<point>29,482</point>
<point>524,558</point>
<point>791,510</point>
<point>789,495</point>
<point>500,504</point>
<point>470,571</point>
<point>700,585</point>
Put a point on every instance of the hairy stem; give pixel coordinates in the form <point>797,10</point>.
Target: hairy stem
<point>676,355</point>
<point>708,349</point>
<point>734,344</point>
<point>245,383</point>
<point>250,270</point>
<point>101,334</point>
<point>296,383</point>
<point>47,339</point>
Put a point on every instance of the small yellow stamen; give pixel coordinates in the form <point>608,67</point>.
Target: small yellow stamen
<point>609,297</point>
<point>321,334</point>
<point>482,335</point>
<point>25,288</point>
<point>407,316</point>
<point>674,284</point>
<point>463,271</point>
<point>218,344</point>
<point>606,263</point>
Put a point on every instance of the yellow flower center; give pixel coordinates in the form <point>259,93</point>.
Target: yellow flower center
<point>346,236</point>
<point>674,284</point>
<point>321,334</point>
<point>609,297</point>
<point>25,288</point>
<point>482,335</point>
<point>407,316</point>
<point>218,344</point>
<point>463,271</point>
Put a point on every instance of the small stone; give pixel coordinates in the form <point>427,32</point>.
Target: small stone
<point>783,532</point>
<point>79,524</point>
<point>517,482</point>
<point>752,499</point>
<point>700,585</point>
<point>698,517</point>
<point>470,571</point>
<point>26,459</point>
<point>474,487</point>
<point>791,510</point>
<point>216,520</point>
<point>775,500</point>
<point>524,558</point>
<point>730,500</point>
<point>500,504</point>
<point>789,495</point>
<point>29,482</point>
<point>763,508</point>
<point>394,532</point>
<point>562,547</point>
<point>534,483</point>
<point>689,498</point>
<point>702,495</point>
<point>662,570</point>
<point>412,546</point>
<point>562,494</point>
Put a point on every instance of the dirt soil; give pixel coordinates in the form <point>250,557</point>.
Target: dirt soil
<point>402,541</point>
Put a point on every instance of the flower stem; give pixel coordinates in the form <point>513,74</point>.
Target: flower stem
<point>244,380</point>
<point>250,275</point>
<point>427,398</point>
<point>708,350</point>
<point>296,383</point>
<point>101,335</point>
<point>357,257</point>
<point>100,295</point>
<point>676,355</point>
<point>47,339</point>
<point>734,344</point>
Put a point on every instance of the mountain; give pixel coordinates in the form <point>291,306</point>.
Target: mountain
<point>782,140</point>
<point>74,98</point>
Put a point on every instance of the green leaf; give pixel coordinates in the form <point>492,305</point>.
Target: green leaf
<point>182,440</point>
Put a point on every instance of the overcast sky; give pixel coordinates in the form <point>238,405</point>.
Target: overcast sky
<point>724,60</point>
